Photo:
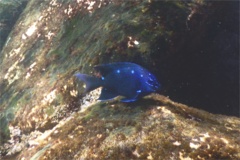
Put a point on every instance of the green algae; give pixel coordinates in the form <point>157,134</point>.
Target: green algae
<point>50,110</point>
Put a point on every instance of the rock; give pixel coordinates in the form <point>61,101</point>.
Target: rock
<point>152,128</point>
<point>45,115</point>
<point>10,10</point>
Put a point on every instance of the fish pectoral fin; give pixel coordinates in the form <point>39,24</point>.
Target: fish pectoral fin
<point>107,94</point>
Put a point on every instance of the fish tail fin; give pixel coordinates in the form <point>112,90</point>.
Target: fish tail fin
<point>90,81</point>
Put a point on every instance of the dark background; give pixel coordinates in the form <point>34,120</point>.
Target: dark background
<point>202,69</point>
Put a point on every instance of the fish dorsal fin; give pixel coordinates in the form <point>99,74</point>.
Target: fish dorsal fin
<point>107,68</point>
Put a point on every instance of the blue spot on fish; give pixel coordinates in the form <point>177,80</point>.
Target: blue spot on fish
<point>123,78</point>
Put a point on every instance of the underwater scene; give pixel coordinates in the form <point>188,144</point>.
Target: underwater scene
<point>119,80</point>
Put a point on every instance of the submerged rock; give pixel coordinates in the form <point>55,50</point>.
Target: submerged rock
<point>152,128</point>
<point>10,11</point>
<point>44,115</point>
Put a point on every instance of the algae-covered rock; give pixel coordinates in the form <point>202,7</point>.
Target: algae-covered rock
<point>45,115</point>
<point>9,12</point>
<point>152,128</point>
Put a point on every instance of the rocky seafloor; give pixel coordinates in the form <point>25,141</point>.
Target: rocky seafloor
<point>191,47</point>
<point>152,128</point>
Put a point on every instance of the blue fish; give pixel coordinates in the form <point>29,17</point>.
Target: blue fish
<point>122,78</point>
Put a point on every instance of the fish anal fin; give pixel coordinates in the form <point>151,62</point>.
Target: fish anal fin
<point>107,93</point>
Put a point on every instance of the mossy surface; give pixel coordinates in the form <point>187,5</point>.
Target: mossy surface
<point>58,39</point>
<point>153,128</point>
<point>44,113</point>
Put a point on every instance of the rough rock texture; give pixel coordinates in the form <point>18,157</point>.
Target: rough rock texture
<point>44,114</point>
<point>152,128</point>
<point>10,10</point>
